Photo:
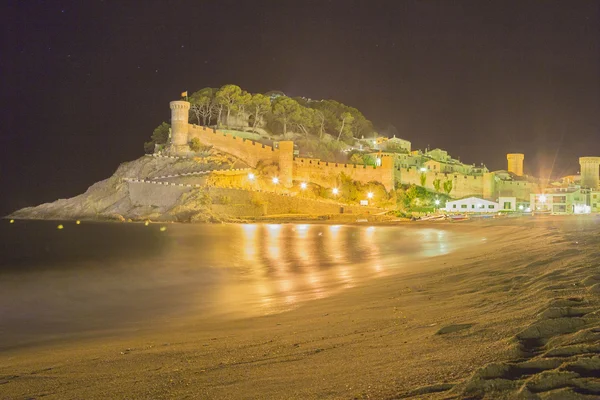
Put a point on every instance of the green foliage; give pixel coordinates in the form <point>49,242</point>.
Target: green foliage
<point>203,105</point>
<point>160,135</point>
<point>286,111</point>
<point>233,98</point>
<point>395,147</point>
<point>436,184</point>
<point>423,179</point>
<point>259,106</point>
<point>448,186</point>
<point>195,145</point>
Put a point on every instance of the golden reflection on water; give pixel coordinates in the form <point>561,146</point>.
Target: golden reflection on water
<point>277,266</point>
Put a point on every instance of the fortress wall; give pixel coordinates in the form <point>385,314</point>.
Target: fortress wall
<point>327,173</point>
<point>462,185</point>
<point>246,150</point>
<point>155,194</point>
<point>519,189</point>
<point>275,204</point>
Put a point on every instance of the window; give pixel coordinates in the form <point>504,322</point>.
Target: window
<point>507,205</point>
<point>463,206</point>
<point>492,206</point>
<point>453,205</point>
<point>559,199</point>
<point>472,205</point>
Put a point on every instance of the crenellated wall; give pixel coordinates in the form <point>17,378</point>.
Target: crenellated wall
<point>246,150</point>
<point>519,189</point>
<point>327,173</point>
<point>462,185</point>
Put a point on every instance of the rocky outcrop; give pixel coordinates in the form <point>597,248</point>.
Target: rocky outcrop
<point>112,198</point>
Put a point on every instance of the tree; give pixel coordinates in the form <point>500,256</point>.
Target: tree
<point>160,135</point>
<point>259,106</point>
<point>436,184</point>
<point>320,121</point>
<point>448,187</point>
<point>230,97</point>
<point>195,145</point>
<point>305,120</point>
<point>203,104</point>
<point>423,179</point>
<point>346,124</point>
<point>285,110</point>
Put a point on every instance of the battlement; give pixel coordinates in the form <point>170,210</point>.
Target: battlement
<point>247,150</point>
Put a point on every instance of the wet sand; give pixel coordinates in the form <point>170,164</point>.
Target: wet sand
<point>514,315</point>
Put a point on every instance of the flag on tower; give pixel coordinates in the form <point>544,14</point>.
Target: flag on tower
<point>184,94</point>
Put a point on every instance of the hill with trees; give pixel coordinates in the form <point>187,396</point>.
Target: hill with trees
<point>321,128</point>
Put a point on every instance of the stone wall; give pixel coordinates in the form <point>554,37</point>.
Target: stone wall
<point>246,150</point>
<point>155,194</point>
<point>519,189</point>
<point>462,185</point>
<point>268,203</point>
<point>327,173</point>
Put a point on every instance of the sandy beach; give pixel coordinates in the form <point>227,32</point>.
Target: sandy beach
<point>515,315</point>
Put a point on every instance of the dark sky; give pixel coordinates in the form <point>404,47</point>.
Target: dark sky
<point>83,83</point>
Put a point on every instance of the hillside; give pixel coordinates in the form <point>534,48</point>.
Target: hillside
<point>210,188</point>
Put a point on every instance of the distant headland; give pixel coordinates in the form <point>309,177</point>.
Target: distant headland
<point>248,157</point>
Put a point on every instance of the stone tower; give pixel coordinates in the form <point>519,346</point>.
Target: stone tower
<point>286,163</point>
<point>180,112</point>
<point>515,163</point>
<point>590,171</point>
<point>489,186</point>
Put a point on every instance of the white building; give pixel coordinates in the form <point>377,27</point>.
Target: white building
<point>472,205</point>
<point>570,200</point>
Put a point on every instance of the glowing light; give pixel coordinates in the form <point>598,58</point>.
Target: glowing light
<point>78,222</point>
<point>251,176</point>
<point>146,223</point>
<point>437,202</point>
<point>303,185</point>
<point>59,227</point>
<point>335,191</point>
<point>12,221</point>
<point>370,195</point>
<point>521,207</point>
<point>481,206</point>
<point>163,228</point>
<point>378,162</point>
<point>543,198</point>
<point>276,180</point>
<point>423,169</point>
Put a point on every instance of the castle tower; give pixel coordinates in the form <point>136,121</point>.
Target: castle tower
<point>489,185</point>
<point>387,172</point>
<point>180,112</point>
<point>286,163</point>
<point>515,163</point>
<point>590,171</point>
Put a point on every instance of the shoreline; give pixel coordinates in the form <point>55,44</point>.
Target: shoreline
<point>378,340</point>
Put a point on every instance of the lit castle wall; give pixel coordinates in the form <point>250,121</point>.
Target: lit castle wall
<point>252,153</point>
<point>590,172</point>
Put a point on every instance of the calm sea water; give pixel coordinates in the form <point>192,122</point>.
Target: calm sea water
<point>106,276</point>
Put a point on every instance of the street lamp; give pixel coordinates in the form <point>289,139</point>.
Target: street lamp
<point>423,169</point>
<point>275,180</point>
<point>335,191</point>
<point>251,176</point>
<point>303,185</point>
<point>437,202</point>
<point>543,199</point>
<point>370,195</point>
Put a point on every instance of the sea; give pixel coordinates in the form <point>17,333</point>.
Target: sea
<point>63,279</point>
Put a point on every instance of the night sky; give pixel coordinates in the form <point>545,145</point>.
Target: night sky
<point>83,83</point>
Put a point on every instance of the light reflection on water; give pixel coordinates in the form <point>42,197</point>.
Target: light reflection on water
<point>196,271</point>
